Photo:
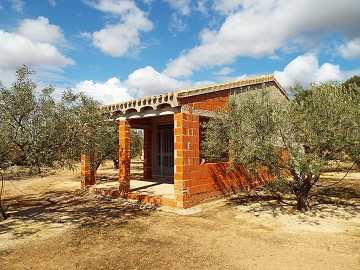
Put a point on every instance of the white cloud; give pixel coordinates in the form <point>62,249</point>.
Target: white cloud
<point>305,69</point>
<point>118,39</point>
<point>17,5</point>
<point>41,30</point>
<point>257,28</point>
<point>112,91</point>
<point>148,2</point>
<point>201,7</point>
<point>17,50</point>
<point>181,6</point>
<point>350,50</point>
<point>328,72</point>
<point>52,3</point>
<point>147,81</point>
<point>224,71</point>
<point>143,82</point>
<point>86,35</point>
<point>177,24</point>
<point>227,6</point>
<point>7,77</point>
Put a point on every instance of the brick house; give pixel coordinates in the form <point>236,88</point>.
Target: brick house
<point>172,129</point>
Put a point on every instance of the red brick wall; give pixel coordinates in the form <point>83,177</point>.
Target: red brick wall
<point>186,152</point>
<point>195,182</point>
<point>88,175</point>
<point>209,181</point>
<point>124,156</point>
<point>212,102</point>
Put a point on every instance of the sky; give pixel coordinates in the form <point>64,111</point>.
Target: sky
<point>117,50</point>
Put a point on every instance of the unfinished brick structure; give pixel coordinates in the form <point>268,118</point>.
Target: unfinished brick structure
<point>172,135</point>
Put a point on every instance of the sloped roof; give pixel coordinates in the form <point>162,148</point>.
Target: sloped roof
<point>172,99</point>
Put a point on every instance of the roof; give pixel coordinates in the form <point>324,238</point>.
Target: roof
<point>172,99</point>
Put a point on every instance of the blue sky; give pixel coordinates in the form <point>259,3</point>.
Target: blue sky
<point>119,50</point>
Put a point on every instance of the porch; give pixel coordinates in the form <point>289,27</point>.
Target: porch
<point>157,191</point>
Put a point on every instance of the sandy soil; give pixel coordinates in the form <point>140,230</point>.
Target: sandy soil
<point>56,226</point>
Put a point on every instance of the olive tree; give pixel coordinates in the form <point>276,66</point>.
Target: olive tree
<point>39,131</point>
<point>351,82</point>
<point>295,140</point>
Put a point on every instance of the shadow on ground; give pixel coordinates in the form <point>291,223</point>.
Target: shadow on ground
<point>340,201</point>
<point>69,208</point>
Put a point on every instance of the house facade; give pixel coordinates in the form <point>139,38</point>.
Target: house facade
<point>172,128</point>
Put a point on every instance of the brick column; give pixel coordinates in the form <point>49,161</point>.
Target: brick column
<point>124,156</point>
<point>87,174</point>
<point>147,154</point>
<point>187,151</point>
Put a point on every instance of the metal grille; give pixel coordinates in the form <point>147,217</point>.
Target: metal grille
<point>166,149</point>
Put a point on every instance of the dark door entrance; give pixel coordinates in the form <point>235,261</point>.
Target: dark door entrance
<point>165,150</point>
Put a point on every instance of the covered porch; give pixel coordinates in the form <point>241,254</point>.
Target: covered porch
<point>157,191</point>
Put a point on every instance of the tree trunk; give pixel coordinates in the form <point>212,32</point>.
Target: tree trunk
<point>3,213</point>
<point>116,163</point>
<point>302,192</point>
<point>302,201</point>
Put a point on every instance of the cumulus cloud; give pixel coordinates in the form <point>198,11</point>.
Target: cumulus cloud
<point>34,44</point>
<point>17,50</point>
<point>224,71</point>
<point>142,82</point>
<point>227,6</point>
<point>118,39</point>
<point>257,28</point>
<point>111,91</point>
<point>41,30</point>
<point>147,81</point>
<point>350,50</point>
<point>306,69</point>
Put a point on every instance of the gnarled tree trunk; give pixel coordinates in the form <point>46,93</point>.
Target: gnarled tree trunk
<point>3,215</point>
<point>302,201</point>
<point>2,211</point>
<point>302,190</point>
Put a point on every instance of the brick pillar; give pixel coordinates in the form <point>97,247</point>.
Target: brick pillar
<point>147,153</point>
<point>187,152</point>
<point>124,156</point>
<point>87,174</point>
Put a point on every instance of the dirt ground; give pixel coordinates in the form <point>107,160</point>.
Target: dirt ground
<point>53,225</point>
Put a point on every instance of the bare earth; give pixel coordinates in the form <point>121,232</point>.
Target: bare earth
<point>56,226</point>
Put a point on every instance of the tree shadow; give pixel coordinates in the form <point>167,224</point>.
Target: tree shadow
<point>259,201</point>
<point>70,208</point>
<point>340,201</point>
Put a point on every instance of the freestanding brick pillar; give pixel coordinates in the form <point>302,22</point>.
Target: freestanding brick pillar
<point>187,151</point>
<point>148,153</point>
<point>87,174</point>
<point>124,156</point>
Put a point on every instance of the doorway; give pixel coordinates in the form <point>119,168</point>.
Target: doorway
<point>165,150</point>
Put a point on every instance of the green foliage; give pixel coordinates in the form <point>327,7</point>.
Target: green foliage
<point>321,123</point>
<point>37,130</point>
<point>103,143</point>
<point>136,143</point>
<point>354,80</point>
<point>33,127</point>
